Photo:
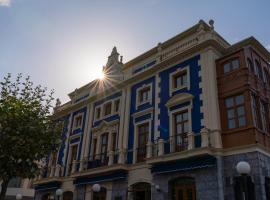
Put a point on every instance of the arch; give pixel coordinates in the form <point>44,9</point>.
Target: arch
<point>101,195</point>
<point>141,191</point>
<point>182,188</point>
<point>46,196</point>
<point>68,195</point>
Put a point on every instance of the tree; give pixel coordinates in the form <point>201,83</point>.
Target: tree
<point>27,132</point>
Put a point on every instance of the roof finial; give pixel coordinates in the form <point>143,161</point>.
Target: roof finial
<point>211,23</point>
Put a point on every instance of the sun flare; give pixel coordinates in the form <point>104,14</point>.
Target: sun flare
<point>100,75</point>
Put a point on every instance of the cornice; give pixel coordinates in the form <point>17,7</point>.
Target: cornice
<point>172,60</point>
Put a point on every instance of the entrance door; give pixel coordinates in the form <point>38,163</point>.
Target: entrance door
<point>185,193</point>
<point>183,189</point>
<point>141,191</point>
<point>99,196</point>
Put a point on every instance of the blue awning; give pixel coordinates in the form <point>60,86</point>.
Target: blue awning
<point>184,164</point>
<point>48,186</point>
<point>111,176</point>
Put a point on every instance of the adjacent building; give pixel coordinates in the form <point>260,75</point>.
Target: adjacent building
<point>172,123</point>
<point>18,187</point>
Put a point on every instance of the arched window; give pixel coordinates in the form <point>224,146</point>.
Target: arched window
<point>141,191</point>
<point>258,69</point>
<point>182,188</point>
<point>250,65</point>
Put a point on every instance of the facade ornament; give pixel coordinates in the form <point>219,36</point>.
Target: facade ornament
<point>114,66</point>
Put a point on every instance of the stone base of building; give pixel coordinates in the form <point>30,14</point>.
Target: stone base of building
<point>205,183</point>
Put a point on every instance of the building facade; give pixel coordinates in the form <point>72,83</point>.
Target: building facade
<point>170,124</point>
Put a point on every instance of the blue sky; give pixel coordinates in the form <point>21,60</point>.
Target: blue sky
<point>62,43</point>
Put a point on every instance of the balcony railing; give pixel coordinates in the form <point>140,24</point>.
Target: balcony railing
<point>153,149</point>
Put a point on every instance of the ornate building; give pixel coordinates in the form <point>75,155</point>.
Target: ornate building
<point>172,123</point>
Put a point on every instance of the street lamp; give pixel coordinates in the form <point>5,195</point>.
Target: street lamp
<point>243,168</point>
<point>18,197</point>
<point>96,187</point>
<point>59,193</point>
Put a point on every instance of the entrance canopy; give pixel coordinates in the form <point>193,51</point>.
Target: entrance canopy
<point>114,175</point>
<point>184,164</point>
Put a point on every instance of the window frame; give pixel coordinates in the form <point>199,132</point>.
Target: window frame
<point>115,105</point>
<point>231,67</point>
<point>145,134</point>
<point>235,108</point>
<point>75,125</point>
<point>179,71</point>
<point>105,108</point>
<point>150,95</point>
<point>184,135</point>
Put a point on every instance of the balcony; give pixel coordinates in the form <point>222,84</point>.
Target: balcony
<point>183,146</point>
<point>49,174</point>
<point>161,150</point>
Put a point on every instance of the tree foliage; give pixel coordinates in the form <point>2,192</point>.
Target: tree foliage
<point>27,133</point>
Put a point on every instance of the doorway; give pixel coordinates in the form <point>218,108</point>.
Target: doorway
<point>183,189</point>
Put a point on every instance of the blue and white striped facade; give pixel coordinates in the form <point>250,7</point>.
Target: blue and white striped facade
<point>194,52</point>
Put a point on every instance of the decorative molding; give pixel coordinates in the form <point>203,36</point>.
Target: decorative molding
<point>178,99</point>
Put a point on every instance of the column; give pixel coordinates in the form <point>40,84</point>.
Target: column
<point>191,141</point>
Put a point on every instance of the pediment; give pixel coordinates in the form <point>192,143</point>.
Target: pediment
<point>179,98</point>
<point>106,126</point>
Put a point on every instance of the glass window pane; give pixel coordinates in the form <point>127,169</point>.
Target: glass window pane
<point>231,123</point>
<point>186,127</point>
<point>185,79</point>
<point>179,128</point>
<point>178,118</point>
<point>226,67</point>
<point>235,64</point>
<point>229,102</point>
<point>239,99</point>
<point>230,113</point>
<point>185,116</point>
<point>242,121</point>
<point>240,111</point>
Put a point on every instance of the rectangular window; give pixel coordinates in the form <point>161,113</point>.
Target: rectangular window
<point>264,116</point>
<point>231,65</point>
<point>104,148</point>
<point>114,142</point>
<point>144,95</point>
<point>108,108</point>
<point>180,80</point>
<point>235,107</point>
<point>116,105</point>
<point>143,133</point>
<point>181,128</point>
<point>73,157</point>
<point>254,111</point>
<point>78,121</point>
<point>74,152</point>
<point>98,113</point>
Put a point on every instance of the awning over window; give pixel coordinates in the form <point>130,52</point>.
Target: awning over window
<point>48,186</point>
<point>114,175</point>
<point>184,164</point>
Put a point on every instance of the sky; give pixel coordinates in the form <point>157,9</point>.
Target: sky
<point>62,44</point>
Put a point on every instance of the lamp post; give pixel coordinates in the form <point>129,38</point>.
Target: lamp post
<point>243,168</point>
<point>59,193</point>
<point>18,197</point>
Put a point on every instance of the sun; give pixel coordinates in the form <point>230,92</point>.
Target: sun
<point>100,75</point>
